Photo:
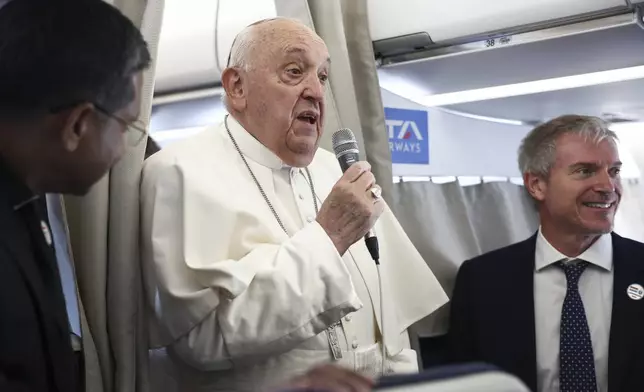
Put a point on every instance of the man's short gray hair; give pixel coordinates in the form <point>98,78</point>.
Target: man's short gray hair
<point>244,46</point>
<point>244,42</point>
<point>240,52</point>
<point>537,150</point>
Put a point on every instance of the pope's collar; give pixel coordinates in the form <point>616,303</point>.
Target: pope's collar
<point>251,147</point>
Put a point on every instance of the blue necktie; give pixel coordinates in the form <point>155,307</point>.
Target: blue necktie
<point>577,363</point>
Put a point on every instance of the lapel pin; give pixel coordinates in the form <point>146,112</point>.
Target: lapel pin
<point>635,291</point>
<point>46,232</point>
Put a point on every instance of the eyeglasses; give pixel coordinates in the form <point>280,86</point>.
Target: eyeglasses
<point>136,130</point>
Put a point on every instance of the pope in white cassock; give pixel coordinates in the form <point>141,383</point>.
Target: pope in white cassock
<point>253,237</point>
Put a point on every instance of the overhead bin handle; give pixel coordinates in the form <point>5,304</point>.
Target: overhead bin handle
<point>639,15</point>
<point>401,45</point>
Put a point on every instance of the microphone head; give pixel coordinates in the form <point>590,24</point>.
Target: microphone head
<point>344,142</point>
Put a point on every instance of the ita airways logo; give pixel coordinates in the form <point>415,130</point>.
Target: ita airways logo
<point>408,135</point>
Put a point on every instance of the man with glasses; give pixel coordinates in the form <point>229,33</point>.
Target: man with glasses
<point>70,76</point>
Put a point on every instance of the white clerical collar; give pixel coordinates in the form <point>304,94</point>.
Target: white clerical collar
<point>253,148</point>
<point>600,253</point>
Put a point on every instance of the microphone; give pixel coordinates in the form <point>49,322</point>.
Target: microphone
<point>346,150</point>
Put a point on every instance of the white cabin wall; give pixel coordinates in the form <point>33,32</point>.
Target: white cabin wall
<point>461,146</point>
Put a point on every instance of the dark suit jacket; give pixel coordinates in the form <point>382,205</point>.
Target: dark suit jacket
<point>492,314</point>
<point>35,347</point>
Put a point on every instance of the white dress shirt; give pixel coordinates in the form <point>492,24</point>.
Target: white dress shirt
<point>245,304</point>
<point>596,290</point>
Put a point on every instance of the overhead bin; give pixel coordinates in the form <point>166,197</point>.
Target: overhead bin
<point>196,37</point>
<point>446,20</point>
<point>197,34</point>
<point>607,35</point>
<point>414,24</point>
<point>614,42</point>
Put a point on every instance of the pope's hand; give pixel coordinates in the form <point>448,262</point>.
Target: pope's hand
<point>351,209</point>
<point>330,378</point>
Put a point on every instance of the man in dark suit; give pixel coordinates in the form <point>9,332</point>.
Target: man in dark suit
<point>562,310</point>
<point>70,76</point>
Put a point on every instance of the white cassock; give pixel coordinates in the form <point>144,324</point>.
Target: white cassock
<point>243,305</point>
